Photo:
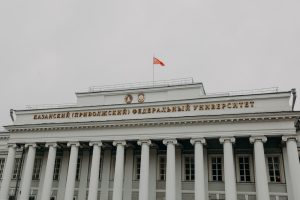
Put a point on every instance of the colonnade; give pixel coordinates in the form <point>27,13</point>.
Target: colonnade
<point>261,181</point>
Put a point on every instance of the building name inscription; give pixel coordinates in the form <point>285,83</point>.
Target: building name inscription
<point>146,110</point>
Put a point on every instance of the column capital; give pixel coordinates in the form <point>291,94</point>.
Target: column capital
<point>169,141</point>
<point>253,139</point>
<point>198,140</point>
<point>53,144</point>
<point>13,145</point>
<point>77,144</point>
<point>30,144</point>
<point>140,142</point>
<point>119,142</point>
<point>93,143</point>
<point>285,138</point>
<point>229,139</point>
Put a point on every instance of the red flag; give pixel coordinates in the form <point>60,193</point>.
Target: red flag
<point>156,61</point>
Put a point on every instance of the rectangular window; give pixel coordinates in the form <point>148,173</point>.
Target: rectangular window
<point>162,163</point>
<point>17,169</point>
<point>137,169</point>
<point>274,169</point>
<point>216,166</point>
<point>78,169</point>
<point>32,198</point>
<point>37,169</point>
<point>189,168</point>
<point>56,169</point>
<point>244,166</point>
<point>2,162</point>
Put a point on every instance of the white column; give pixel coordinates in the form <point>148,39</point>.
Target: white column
<point>28,170</point>
<point>200,193</point>
<point>69,192</point>
<point>144,171</point>
<point>47,186</point>
<point>7,173</point>
<point>261,179</point>
<point>94,175</point>
<point>171,174</point>
<point>294,166</point>
<point>119,170</point>
<point>229,169</point>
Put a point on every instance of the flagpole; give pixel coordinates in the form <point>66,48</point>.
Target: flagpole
<point>153,70</point>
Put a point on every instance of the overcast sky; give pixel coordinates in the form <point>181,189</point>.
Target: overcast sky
<point>50,49</point>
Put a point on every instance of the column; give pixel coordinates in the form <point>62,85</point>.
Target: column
<point>69,192</point>
<point>229,169</point>
<point>261,179</point>
<point>200,193</point>
<point>294,166</point>
<point>8,171</point>
<point>47,186</point>
<point>94,175</point>
<point>171,174</point>
<point>28,170</point>
<point>119,170</point>
<point>144,172</point>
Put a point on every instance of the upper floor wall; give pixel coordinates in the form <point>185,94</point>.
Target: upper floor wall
<point>155,102</point>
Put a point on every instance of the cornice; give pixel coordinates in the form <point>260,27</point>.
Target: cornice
<point>175,121</point>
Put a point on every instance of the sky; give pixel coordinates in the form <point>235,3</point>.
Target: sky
<point>51,49</point>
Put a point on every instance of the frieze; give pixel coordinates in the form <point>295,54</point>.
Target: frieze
<point>146,110</point>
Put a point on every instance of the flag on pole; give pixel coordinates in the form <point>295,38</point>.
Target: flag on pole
<point>156,61</point>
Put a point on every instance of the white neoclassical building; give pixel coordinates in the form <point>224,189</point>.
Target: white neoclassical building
<point>164,141</point>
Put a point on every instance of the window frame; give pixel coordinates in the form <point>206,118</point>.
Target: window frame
<point>3,166</point>
<point>251,168</point>
<point>37,176</point>
<point>17,168</point>
<point>210,177</point>
<point>59,169</point>
<point>183,169</point>
<point>281,169</point>
<point>158,175</point>
<point>136,173</point>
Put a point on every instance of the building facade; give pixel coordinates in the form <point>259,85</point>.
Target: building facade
<point>155,142</point>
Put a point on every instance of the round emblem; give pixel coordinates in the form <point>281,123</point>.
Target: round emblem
<point>141,98</point>
<point>128,98</point>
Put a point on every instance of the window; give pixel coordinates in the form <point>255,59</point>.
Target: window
<point>216,168</point>
<point>11,198</point>
<point>244,166</point>
<point>2,162</point>
<point>274,169</point>
<point>17,169</point>
<point>32,198</point>
<point>162,163</point>
<point>52,198</point>
<point>56,169</point>
<point>36,169</point>
<point>189,168</point>
<point>137,167</point>
<point>78,169</point>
